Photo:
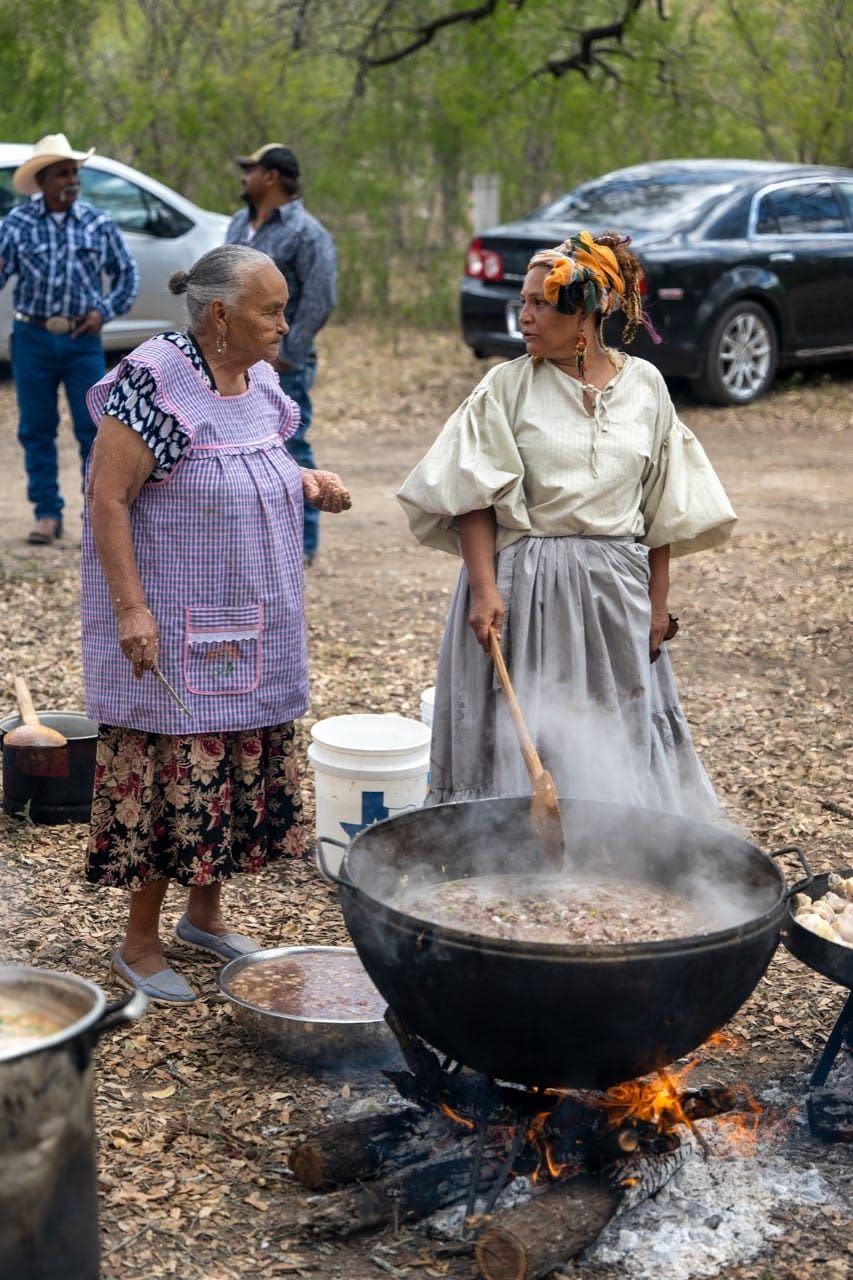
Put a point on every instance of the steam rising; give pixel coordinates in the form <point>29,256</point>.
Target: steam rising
<point>635,810</point>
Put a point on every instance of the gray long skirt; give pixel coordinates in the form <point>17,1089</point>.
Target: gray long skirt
<point>606,721</point>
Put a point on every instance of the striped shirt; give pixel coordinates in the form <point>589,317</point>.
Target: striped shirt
<point>304,253</point>
<point>59,264</point>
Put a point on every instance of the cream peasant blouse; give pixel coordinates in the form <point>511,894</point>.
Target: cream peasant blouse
<point>525,443</point>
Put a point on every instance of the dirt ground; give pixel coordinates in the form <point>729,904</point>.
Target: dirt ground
<point>194,1123</point>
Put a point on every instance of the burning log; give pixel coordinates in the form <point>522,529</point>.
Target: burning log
<point>536,1237</point>
<point>354,1149</point>
<point>408,1195</point>
<point>543,1234</point>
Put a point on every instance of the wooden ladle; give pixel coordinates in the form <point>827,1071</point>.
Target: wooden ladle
<point>544,807</point>
<point>31,733</point>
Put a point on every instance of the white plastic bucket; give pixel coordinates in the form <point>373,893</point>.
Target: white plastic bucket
<point>428,706</point>
<point>366,767</point>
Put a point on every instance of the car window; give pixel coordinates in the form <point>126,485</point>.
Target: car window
<point>132,208</point>
<point>9,197</point>
<point>846,189</point>
<point>804,209</point>
<point>639,204</point>
<point>732,223</point>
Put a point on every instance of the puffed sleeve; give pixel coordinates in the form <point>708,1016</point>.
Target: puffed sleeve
<point>474,464</point>
<point>684,504</point>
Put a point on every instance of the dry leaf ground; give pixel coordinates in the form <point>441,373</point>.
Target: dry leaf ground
<point>194,1124</point>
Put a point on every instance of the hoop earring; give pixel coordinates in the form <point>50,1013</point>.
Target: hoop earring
<point>221,344</point>
<point>580,353</point>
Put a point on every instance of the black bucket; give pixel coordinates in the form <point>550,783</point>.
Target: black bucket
<point>56,785</point>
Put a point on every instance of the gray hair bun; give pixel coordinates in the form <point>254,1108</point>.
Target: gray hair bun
<point>179,282</point>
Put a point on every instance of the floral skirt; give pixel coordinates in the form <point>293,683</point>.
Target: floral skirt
<point>196,809</point>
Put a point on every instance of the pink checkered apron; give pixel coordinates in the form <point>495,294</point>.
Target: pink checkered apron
<point>219,549</point>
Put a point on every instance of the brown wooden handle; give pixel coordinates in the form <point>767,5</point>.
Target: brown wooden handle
<point>25,702</point>
<point>528,750</point>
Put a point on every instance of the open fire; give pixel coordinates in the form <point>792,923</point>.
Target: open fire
<point>536,1173</point>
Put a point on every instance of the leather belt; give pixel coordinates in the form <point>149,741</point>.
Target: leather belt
<point>53,324</point>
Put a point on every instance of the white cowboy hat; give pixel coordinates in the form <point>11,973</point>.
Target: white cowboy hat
<point>48,150</point>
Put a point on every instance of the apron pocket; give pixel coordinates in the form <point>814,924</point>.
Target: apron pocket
<point>222,649</point>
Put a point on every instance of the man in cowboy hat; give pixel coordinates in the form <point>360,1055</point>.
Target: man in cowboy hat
<point>277,223</point>
<point>59,248</point>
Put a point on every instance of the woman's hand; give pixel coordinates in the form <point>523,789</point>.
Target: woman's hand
<point>139,638</point>
<point>487,610</point>
<point>325,491</point>
<point>658,628</point>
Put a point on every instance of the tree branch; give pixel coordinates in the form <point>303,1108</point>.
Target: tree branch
<point>426,32</point>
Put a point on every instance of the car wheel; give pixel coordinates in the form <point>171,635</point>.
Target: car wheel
<point>742,355</point>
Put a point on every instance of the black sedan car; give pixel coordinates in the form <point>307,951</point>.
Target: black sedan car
<point>748,267</point>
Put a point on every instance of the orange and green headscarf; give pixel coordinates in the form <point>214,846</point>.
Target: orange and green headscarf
<point>589,280</point>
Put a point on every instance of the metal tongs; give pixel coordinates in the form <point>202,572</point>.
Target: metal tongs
<point>171,692</point>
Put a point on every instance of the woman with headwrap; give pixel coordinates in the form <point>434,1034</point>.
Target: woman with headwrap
<point>566,481</point>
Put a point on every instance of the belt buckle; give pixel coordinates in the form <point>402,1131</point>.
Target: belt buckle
<point>58,324</point>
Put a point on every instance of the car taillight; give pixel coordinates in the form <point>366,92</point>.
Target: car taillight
<point>483,264</point>
<point>643,284</point>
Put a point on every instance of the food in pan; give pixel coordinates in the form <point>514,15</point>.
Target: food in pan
<point>572,912</point>
<point>21,1026</point>
<point>318,985</point>
<point>831,915</point>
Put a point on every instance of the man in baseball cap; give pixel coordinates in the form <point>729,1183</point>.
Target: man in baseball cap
<point>59,248</point>
<point>277,223</point>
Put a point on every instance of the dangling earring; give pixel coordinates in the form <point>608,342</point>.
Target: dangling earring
<point>221,345</point>
<point>580,353</point>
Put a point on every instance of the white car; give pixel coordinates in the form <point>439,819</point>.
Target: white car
<point>163,231</point>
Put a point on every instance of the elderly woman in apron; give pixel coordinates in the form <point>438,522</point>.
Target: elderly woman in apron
<point>566,481</point>
<point>194,646</point>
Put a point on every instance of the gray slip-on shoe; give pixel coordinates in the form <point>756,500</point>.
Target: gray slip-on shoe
<point>227,947</point>
<point>165,987</point>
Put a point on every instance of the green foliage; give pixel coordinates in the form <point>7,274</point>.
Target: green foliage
<point>177,89</point>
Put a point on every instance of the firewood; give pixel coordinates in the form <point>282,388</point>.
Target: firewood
<point>353,1149</point>
<point>408,1195</point>
<point>534,1238</point>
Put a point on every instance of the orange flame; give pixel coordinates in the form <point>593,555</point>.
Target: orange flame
<point>653,1100</point>
<point>456,1118</point>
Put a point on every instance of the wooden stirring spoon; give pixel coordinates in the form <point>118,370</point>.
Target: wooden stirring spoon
<point>31,733</point>
<point>544,807</point>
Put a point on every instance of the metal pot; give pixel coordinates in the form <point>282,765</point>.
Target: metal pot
<point>48,1177</point>
<point>833,961</point>
<point>546,1014</point>
<point>56,785</point>
<point>320,1042</point>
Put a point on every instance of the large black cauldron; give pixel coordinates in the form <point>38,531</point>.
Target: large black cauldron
<point>544,1014</point>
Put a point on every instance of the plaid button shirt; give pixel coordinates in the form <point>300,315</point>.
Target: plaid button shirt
<point>304,253</point>
<point>60,265</point>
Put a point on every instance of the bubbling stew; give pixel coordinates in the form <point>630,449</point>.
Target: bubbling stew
<point>319,985</point>
<point>22,1026</point>
<point>572,912</point>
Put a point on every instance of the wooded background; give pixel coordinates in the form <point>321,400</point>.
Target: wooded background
<point>393,105</point>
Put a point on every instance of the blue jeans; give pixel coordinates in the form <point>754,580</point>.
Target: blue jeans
<point>40,362</point>
<point>297,383</point>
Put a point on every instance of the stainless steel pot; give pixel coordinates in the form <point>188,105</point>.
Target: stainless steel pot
<point>323,1042</point>
<point>53,786</point>
<point>48,1177</point>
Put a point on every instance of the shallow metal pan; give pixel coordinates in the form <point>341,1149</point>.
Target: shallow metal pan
<point>329,1043</point>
